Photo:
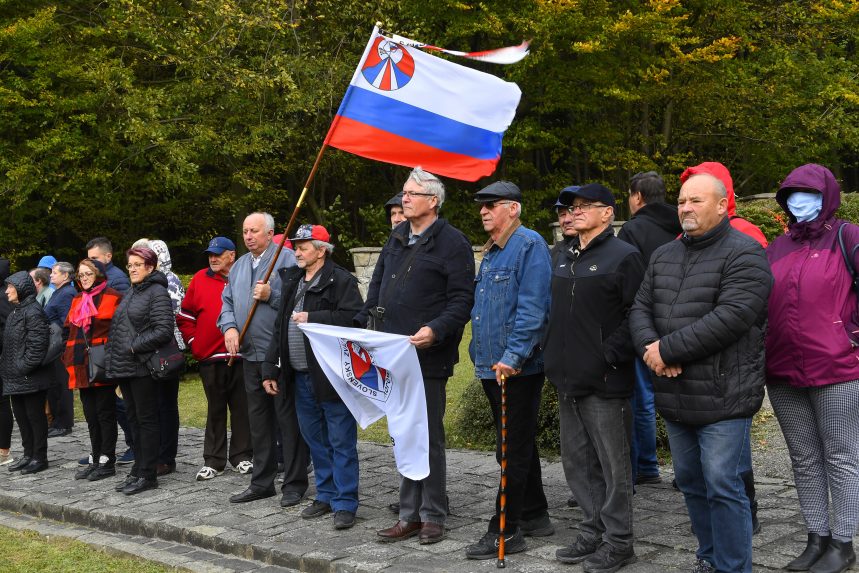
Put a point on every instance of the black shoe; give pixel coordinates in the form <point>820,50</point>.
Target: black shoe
<point>315,509</point>
<point>343,519</point>
<point>101,472</point>
<point>19,465</point>
<point>537,527</point>
<point>648,479</point>
<point>394,507</point>
<point>838,557</point>
<point>251,494</point>
<point>139,485</point>
<point>84,473</point>
<point>814,548</point>
<point>59,432</point>
<point>34,467</point>
<point>571,502</point>
<point>756,525</point>
<point>487,547</point>
<point>702,566</point>
<point>608,559</point>
<point>128,479</point>
<point>290,499</point>
<point>578,551</point>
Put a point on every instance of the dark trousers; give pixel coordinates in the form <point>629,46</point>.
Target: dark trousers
<point>262,411</point>
<point>426,500</point>
<point>168,420</point>
<point>100,413</point>
<point>61,400</point>
<point>32,423</point>
<point>5,423</point>
<point>225,389</point>
<point>122,420</point>
<point>525,497</point>
<point>141,401</point>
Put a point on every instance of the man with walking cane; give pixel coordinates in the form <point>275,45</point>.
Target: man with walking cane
<point>508,321</point>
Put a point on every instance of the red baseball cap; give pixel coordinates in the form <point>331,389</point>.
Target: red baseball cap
<point>312,232</point>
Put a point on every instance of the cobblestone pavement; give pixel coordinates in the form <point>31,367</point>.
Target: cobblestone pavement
<point>187,515</point>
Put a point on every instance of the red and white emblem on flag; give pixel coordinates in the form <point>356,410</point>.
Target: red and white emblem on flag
<point>361,372</point>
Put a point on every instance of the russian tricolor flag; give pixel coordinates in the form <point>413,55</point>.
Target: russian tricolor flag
<point>407,107</point>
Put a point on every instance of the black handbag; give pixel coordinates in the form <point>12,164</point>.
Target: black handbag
<point>166,362</point>
<point>96,361</point>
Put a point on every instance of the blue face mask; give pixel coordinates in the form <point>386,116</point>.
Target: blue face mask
<point>805,206</point>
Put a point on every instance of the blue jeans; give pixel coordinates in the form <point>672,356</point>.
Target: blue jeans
<point>709,462</point>
<point>644,460</point>
<point>331,434</point>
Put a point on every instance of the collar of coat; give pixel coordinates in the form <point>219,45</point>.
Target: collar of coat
<point>709,237</point>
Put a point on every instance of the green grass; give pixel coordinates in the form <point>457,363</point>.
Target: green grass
<point>27,551</point>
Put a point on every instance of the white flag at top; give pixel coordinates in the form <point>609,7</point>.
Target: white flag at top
<point>378,374</point>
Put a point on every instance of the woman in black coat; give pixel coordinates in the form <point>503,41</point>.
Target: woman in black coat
<point>25,378</point>
<point>142,324</point>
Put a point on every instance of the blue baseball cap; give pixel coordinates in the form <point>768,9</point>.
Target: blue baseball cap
<point>47,262</point>
<point>565,198</point>
<point>220,244</point>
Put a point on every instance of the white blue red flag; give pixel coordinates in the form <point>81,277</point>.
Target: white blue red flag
<point>378,374</point>
<point>407,107</point>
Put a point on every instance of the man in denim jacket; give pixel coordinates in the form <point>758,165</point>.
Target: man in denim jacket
<point>511,303</point>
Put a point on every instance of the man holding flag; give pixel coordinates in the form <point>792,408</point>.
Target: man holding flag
<point>423,287</point>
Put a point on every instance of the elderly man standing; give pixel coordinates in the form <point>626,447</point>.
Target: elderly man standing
<point>223,385</point>
<point>699,321</point>
<point>61,400</point>
<point>423,287</point>
<point>508,321</point>
<point>319,291</point>
<point>245,285</point>
<point>589,360</point>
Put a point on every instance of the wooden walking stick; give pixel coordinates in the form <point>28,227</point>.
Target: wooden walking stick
<point>503,501</point>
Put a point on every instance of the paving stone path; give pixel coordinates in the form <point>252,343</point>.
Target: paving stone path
<point>184,516</point>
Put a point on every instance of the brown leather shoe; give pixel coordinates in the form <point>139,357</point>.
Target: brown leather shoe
<point>431,533</point>
<point>402,530</point>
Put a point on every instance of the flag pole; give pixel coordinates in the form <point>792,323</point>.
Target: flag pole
<point>502,502</point>
<point>292,218</point>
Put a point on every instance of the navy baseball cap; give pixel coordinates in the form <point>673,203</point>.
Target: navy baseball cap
<point>220,244</point>
<point>565,198</point>
<point>499,191</point>
<point>591,191</point>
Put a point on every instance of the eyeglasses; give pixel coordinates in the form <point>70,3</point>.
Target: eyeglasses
<point>416,194</point>
<point>86,275</point>
<point>492,204</point>
<point>130,266</point>
<point>583,207</point>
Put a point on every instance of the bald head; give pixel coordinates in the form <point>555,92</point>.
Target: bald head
<point>702,204</point>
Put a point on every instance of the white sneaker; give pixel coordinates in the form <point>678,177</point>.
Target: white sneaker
<point>245,467</point>
<point>206,473</point>
<point>6,458</point>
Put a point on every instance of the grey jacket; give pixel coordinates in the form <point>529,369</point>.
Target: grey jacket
<point>238,299</point>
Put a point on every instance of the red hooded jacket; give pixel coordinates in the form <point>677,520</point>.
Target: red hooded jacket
<point>721,173</point>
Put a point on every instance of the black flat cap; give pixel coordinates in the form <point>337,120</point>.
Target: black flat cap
<point>592,192</point>
<point>499,191</point>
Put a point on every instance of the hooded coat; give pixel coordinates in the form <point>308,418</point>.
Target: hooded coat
<point>174,284</point>
<point>142,323</point>
<point>25,342</point>
<point>814,328</point>
<point>721,173</point>
<point>651,227</point>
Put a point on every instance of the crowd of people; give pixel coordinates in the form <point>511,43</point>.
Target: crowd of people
<point>686,311</point>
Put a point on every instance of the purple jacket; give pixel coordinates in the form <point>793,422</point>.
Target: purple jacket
<point>812,307</point>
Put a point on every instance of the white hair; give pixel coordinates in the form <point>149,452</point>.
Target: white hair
<point>269,220</point>
<point>518,212</point>
<point>429,183</point>
<point>323,245</point>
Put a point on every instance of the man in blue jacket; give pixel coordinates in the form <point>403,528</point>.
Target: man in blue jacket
<point>508,321</point>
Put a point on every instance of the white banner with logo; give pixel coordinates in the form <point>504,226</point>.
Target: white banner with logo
<point>378,374</point>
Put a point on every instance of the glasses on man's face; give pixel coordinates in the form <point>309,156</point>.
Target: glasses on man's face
<point>417,194</point>
<point>86,275</point>
<point>583,207</point>
<point>130,266</point>
<point>490,205</point>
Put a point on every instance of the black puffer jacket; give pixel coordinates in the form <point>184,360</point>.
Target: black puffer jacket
<point>143,323</point>
<point>334,300</point>
<point>651,227</point>
<point>705,300</point>
<point>25,342</point>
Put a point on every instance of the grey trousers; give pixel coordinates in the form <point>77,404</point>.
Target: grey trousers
<point>595,454</point>
<point>426,500</point>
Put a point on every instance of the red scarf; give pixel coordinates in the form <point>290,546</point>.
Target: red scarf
<point>83,314</point>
